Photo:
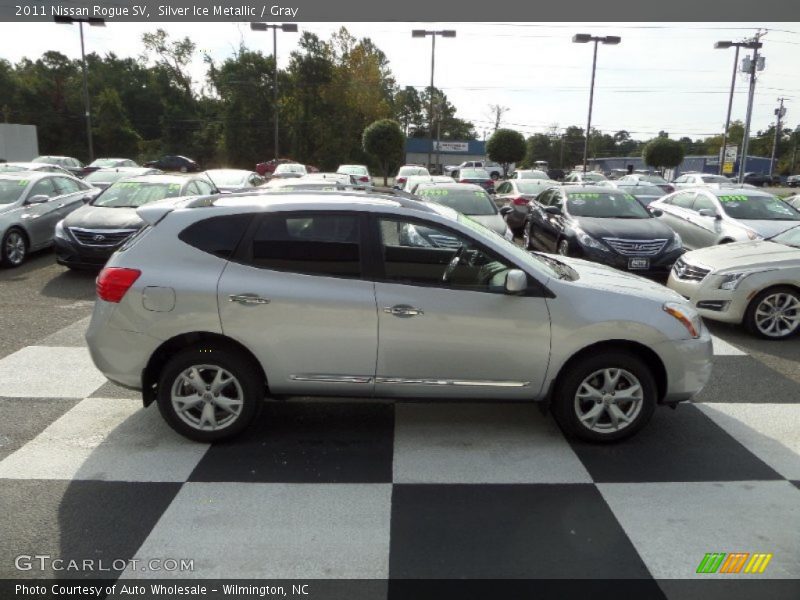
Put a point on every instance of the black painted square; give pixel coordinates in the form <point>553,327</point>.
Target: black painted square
<point>316,442</point>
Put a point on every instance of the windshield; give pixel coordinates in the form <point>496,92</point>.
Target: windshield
<point>539,263</point>
<point>605,205</point>
<point>790,237</point>
<point>48,160</point>
<point>468,201</point>
<point>11,190</point>
<point>532,175</point>
<point>653,179</point>
<point>593,177</point>
<point>132,194</point>
<point>290,169</point>
<point>11,168</point>
<point>527,187</point>
<point>106,176</point>
<point>105,162</point>
<point>353,170</point>
<point>474,174</point>
<point>228,178</point>
<point>715,179</point>
<point>406,171</point>
<point>758,208</point>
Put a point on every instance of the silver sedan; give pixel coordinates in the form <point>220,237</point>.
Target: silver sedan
<point>30,206</point>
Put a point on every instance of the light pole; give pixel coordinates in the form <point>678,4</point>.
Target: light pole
<point>779,114</point>
<point>749,45</point>
<point>94,22</point>
<point>583,38</point>
<point>753,67</point>
<point>288,27</point>
<point>421,33</point>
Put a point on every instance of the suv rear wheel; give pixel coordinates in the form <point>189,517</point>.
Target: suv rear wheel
<point>209,394</point>
<point>605,398</point>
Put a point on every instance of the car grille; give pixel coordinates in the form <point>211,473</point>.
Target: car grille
<point>102,238</point>
<point>636,247</point>
<point>688,272</point>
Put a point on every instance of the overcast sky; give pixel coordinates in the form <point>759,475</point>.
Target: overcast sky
<point>662,76</point>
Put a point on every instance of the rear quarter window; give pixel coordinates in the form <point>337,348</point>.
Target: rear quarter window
<point>219,236</point>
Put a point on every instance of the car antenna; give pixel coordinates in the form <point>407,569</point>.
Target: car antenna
<point>216,187</point>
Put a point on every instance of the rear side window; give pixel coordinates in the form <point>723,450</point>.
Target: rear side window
<point>218,235</point>
<point>309,244</point>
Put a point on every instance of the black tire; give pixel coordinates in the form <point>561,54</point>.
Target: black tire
<point>9,256</point>
<point>750,322</point>
<point>240,366</point>
<point>495,176</point>
<point>564,403</point>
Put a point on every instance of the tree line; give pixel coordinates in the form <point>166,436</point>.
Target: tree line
<point>331,90</point>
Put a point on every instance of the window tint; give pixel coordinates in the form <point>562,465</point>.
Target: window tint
<point>703,201</point>
<point>66,186</point>
<point>192,189</point>
<point>313,244</point>
<point>204,187</point>
<point>218,235</point>
<point>43,187</point>
<point>683,200</point>
<point>414,253</point>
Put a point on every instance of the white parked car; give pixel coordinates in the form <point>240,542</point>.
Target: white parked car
<point>755,283</point>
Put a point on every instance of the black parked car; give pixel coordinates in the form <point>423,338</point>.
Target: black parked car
<point>603,225</point>
<point>174,163</point>
<point>91,234</point>
<point>761,179</point>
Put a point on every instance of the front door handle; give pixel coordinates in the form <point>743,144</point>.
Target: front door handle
<point>403,310</point>
<point>248,299</point>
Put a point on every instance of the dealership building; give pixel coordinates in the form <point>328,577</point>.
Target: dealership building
<point>701,164</point>
<point>444,152</point>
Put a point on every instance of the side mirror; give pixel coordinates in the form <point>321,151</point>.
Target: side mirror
<point>656,212</point>
<point>516,281</point>
<point>505,210</point>
<point>552,210</point>
<point>707,212</point>
<point>37,199</point>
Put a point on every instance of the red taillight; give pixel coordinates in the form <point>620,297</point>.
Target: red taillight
<point>463,181</point>
<point>364,178</point>
<point>401,180</point>
<point>519,201</point>
<point>113,282</point>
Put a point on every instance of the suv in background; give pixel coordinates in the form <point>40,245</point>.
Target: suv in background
<point>219,302</point>
<point>494,170</point>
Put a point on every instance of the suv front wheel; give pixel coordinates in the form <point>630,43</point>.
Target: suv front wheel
<point>209,394</point>
<point>605,398</point>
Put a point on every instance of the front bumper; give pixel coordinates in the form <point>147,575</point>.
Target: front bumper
<point>659,264</point>
<point>728,306</point>
<point>688,366</point>
<point>72,254</point>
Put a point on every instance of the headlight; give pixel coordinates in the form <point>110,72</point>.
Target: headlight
<point>508,235</point>
<point>60,233</point>
<point>753,235</point>
<point>687,316</point>
<point>586,240</point>
<point>730,281</point>
<point>676,243</point>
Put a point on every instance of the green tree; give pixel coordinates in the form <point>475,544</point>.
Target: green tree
<point>385,141</point>
<point>663,153</point>
<point>506,146</point>
<point>112,131</point>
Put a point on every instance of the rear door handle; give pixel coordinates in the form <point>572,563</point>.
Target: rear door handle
<point>403,310</point>
<point>248,299</point>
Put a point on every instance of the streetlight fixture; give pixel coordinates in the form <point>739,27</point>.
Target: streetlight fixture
<point>750,45</point>
<point>93,22</point>
<point>289,28</point>
<point>585,38</point>
<point>421,33</point>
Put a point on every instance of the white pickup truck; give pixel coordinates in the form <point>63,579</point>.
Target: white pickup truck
<point>494,170</point>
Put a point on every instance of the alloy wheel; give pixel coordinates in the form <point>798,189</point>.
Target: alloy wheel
<point>207,397</point>
<point>778,315</point>
<point>609,400</point>
<point>15,248</point>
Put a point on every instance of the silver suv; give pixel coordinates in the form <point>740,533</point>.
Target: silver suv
<point>222,301</point>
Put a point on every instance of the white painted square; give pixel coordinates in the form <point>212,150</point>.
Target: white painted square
<point>673,525</point>
<point>770,431</point>
<point>275,531</point>
<point>723,348</point>
<point>481,443</point>
<point>107,440</point>
<point>49,372</point>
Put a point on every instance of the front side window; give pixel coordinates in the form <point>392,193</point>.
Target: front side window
<point>314,244</point>
<point>43,187</point>
<point>425,254</point>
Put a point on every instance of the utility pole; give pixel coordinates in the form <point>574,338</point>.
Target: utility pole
<point>751,94</point>
<point>779,112</point>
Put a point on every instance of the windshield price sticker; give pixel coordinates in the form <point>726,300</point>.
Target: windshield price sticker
<point>23,182</point>
<point>734,198</point>
<point>435,192</point>
<point>583,195</point>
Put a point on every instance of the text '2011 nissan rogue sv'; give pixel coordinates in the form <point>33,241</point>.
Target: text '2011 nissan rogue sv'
<point>220,302</point>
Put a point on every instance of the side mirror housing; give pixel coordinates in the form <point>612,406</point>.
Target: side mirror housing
<point>552,210</point>
<point>504,210</point>
<point>516,281</point>
<point>707,212</point>
<point>37,199</point>
<point>656,212</point>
